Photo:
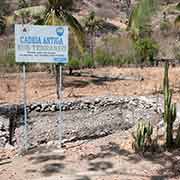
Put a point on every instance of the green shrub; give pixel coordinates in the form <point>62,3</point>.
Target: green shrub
<point>102,58</point>
<point>74,64</point>
<point>118,61</point>
<point>145,31</point>
<point>178,6</point>
<point>146,49</point>
<point>142,136</point>
<point>113,49</point>
<point>124,60</point>
<point>87,61</point>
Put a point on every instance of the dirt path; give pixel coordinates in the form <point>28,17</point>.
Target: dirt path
<point>106,158</point>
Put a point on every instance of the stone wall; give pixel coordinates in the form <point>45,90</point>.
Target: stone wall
<point>92,103</point>
<point>83,118</point>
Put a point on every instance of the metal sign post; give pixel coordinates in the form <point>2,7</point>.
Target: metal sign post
<point>60,117</point>
<point>42,44</point>
<point>25,110</point>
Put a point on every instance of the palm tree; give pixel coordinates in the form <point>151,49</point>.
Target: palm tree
<point>58,12</point>
<point>92,24</point>
<point>140,29</point>
<point>140,17</point>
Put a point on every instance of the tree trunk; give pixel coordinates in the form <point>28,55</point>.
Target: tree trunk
<point>70,71</point>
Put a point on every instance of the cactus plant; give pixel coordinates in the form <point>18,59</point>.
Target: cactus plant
<point>142,136</point>
<point>169,109</point>
<point>178,137</point>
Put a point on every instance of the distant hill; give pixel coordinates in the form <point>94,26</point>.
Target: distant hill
<point>114,12</point>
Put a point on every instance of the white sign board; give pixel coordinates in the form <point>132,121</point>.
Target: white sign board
<point>41,44</point>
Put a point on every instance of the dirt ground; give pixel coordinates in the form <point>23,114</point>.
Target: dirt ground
<point>106,158</point>
<point>110,157</point>
<point>41,86</point>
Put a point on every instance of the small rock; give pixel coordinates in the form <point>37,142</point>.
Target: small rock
<point>44,107</point>
<point>38,109</point>
<point>50,143</point>
<point>53,108</point>
<point>1,126</point>
<point>3,134</point>
<point>32,107</point>
<point>8,146</point>
<point>92,106</point>
<point>3,141</point>
<point>87,101</point>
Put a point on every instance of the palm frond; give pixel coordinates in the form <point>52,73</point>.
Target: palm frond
<point>52,19</point>
<point>76,29</point>
<point>63,4</point>
<point>133,24</point>
<point>93,23</point>
<point>32,11</point>
<point>61,17</point>
<point>141,15</point>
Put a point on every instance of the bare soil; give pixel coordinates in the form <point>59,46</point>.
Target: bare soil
<point>41,86</point>
<point>106,158</point>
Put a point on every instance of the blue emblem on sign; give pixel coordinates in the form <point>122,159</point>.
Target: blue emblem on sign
<point>60,31</point>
